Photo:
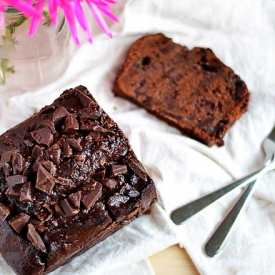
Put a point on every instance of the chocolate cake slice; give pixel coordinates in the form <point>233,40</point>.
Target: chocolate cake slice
<point>190,89</point>
<point>69,179</point>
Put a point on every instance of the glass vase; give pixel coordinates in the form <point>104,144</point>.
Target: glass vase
<point>27,63</point>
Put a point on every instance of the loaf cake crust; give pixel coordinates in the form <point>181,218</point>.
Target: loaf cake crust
<point>190,89</point>
<point>69,179</point>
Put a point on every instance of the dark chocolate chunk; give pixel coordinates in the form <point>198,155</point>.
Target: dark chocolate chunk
<point>110,183</point>
<point>75,199</point>
<point>28,143</point>
<point>89,198</point>
<point>35,238</point>
<point>44,180</point>
<point>54,153</point>
<point>137,167</point>
<point>100,175</point>
<point>13,191</point>
<point>103,131</point>
<point>70,124</point>
<point>62,181</point>
<point>6,157</point>
<point>37,152</point>
<point>84,99</point>
<point>26,193</point>
<point>59,114</point>
<point>16,179</point>
<point>50,167</point>
<point>58,210</point>
<point>67,208</point>
<point>17,163</point>
<point>19,221</point>
<point>67,150</point>
<point>49,124</point>
<point>42,136</point>
<point>4,211</point>
<point>7,169</point>
<point>88,126</point>
<point>74,143</point>
<point>39,225</point>
<point>92,112</point>
<point>117,170</point>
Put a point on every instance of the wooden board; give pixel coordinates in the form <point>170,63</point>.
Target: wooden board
<point>173,261</point>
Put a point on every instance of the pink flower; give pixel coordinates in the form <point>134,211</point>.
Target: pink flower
<point>72,10</point>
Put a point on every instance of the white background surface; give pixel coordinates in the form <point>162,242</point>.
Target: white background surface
<point>242,35</point>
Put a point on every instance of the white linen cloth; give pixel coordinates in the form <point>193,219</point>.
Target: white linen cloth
<point>242,35</point>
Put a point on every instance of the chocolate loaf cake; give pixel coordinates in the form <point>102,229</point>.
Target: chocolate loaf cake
<point>69,179</point>
<point>190,89</point>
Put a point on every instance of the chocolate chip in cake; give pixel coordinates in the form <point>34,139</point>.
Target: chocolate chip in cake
<point>35,238</point>
<point>84,99</point>
<point>70,124</point>
<point>59,114</point>
<point>67,208</point>
<point>88,126</point>
<point>37,152</point>
<point>117,170</point>
<point>89,198</point>
<point>4,211</point>
<point>92,112</point>
<point>110,183</point>
<point>44,180</point>
<point>19,221</point>
<point>26,193</point>
<point>43,136</point>
<point>137,167</point>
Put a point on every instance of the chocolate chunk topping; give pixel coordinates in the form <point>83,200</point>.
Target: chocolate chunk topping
<point>70,124</point>
<point>35,239</point>
<point>58,210</point>
<point>36,152</point>
<point>89,198</point>
<point>75,199</point>
<point>39,225</point>
<point>28,143</point>
<point>19,221</point>
<point>42,136</point>
<point>100,175</point>
<point>137,167</point>
<point>91,112</point>
<point>17,163</point>
<point>17,179</point>
<point>85,100</point>
<point>110,183</point>
<point>26,193</point>
<point>7,169</point>
<point>54,153</point>
<point>6,157</point>
<point>62,181</point>
<point>4,211</point>
<point>50,167</point>
<point>67,150</point>
<point>13,191</point>
<point>88,126</point>
<point>59,114</point>
<point>44,180</point>
<point>74,143</point>
<point>49,124</point>
<point>67,208</point>
<point>117,170</point>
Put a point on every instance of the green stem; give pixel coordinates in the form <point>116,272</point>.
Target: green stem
<point>8,42</point>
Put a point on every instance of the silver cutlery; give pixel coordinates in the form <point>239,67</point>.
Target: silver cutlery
<point>221,234</point>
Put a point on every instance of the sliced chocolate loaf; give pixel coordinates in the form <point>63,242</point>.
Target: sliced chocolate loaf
<point>190,89</point>
<point>69,179</point>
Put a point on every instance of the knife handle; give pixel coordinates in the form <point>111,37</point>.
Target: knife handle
<point>185,212</point>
